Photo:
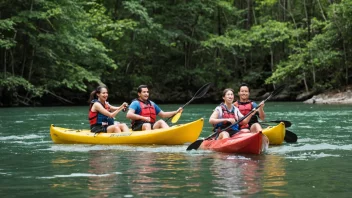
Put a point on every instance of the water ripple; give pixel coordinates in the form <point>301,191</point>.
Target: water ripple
<point>80,175</point>
<point>21,137</point>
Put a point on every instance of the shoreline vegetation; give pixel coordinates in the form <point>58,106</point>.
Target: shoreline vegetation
<point>55,52</point>
<point>343,96</point>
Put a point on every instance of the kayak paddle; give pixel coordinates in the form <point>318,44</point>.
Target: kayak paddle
<point>200,93</point>
<point>195,145</point>
<point>290,137</point>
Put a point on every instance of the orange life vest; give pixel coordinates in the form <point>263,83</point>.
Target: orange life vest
<point>226,114</point>
<point>245,108</point>
<point>147,110</point>
<point>96,118</point>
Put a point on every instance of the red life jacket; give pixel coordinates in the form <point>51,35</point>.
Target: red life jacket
<point>245,108</point>
<point>147,110</point>
<point>226,114</point>
<point>96,118</point>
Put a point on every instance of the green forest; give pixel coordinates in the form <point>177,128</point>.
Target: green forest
<point>55,52</point>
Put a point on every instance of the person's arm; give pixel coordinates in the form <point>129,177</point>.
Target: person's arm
<point>214,118</point>
<point>113,108</point>
<point>246,120</point>
<point>167,114</point>
<point>261,111</point>
<point>99,108</point>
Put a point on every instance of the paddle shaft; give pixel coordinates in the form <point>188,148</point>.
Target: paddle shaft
<point>200,93</point>
<point>189,101</point>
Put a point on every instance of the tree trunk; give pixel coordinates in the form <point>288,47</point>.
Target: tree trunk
<point>31,66</point>
<point>254,16</point>
<point>12,58</point>
<point>219,22</point>
<point>288,10</point>
<point>305,81</point>
<point>307,13</point>
<point>272,62</point>
<point>313,67</point>
<point>5,54</point>
<point>249,14</point>
<point>12,63</point>
<point>284,11</point>
<point>314,75</point>
<point>116,11</point>
<point>185,51</point>
<point>188,45</point>
<point>345,61</point>
<point>321,10</point>
<point>24,60</point>
<point>31,6</point>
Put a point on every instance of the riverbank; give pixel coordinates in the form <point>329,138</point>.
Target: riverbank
<point>332,97</point>
<point>342,96</point>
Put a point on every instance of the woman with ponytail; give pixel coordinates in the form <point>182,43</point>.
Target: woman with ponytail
<point>101,113</point>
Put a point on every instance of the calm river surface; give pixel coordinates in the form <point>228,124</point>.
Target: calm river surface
<point>318,165</point>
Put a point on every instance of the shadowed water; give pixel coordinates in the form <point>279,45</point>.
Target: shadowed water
<point>317,165</point>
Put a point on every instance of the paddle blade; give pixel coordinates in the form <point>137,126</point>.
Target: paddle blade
<point>195,145</point>
<point>176,118</point>
<point>278,90</point>
<point>290,137</point>
<point>202,91</point>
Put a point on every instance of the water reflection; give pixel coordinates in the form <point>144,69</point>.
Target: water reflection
<point>107,173</point>
<point>141,174</point>
<point>236,175</point>
<point>102,166</point>
<point>275,175</point>
<point>156,174</point>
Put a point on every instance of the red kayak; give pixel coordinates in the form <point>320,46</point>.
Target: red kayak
<point>242,142</point>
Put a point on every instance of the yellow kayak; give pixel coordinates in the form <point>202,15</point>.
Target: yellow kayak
<point>177,134</point>
<point>275,134</point>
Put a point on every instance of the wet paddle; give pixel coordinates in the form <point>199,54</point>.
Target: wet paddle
<point>200,93</point>
<point>290,137</point>
<point>195,145</point>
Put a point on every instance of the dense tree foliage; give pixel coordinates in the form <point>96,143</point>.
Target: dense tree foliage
<point>59,50</point>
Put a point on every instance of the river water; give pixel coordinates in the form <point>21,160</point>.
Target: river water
<point>318,165</point>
